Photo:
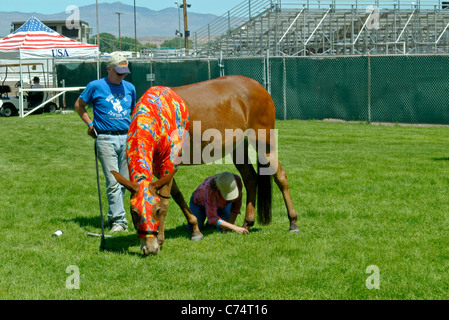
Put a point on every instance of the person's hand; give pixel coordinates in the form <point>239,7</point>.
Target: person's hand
<point>241,230</point>
<point>91,132</point>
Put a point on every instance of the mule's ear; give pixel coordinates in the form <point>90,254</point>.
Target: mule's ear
<point>131,186</point>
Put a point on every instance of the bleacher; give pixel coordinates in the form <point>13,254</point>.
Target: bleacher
<point>327,27</point>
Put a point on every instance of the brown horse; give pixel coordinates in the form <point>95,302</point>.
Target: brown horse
<point>228,114</point>
<point>241,106</point>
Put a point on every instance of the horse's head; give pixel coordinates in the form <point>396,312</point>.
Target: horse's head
<point>145,211</point>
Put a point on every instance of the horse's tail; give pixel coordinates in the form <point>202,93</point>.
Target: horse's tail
<point>264,186</point>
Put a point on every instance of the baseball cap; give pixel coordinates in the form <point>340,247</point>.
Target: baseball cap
<point>227,185</point>
<point>119,63</point>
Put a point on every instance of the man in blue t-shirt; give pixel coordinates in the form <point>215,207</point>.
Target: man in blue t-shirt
<point>113,100</point>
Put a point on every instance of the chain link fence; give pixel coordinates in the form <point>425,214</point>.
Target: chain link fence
<point>395,88</point>
<point>143,74</point>
<point>406,89</point>
<point>410,89</point>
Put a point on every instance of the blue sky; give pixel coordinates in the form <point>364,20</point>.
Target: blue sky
<point>56,6</point>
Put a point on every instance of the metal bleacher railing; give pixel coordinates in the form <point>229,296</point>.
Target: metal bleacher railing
<point>326,27</point>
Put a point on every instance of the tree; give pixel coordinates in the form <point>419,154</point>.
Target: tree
<point>129,43</point>
<point>174,43</point>
<point>108,42</point>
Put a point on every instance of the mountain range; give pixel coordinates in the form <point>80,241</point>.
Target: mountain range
<point>150,23</point>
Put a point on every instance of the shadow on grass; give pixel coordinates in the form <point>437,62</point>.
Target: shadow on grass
<point>441,159</point>
<point>122,242</point>
<point>94,222</point>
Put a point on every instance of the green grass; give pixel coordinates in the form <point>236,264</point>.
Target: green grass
<point>365,195</point>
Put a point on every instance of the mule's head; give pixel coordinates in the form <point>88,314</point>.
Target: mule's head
<point>145,209</point>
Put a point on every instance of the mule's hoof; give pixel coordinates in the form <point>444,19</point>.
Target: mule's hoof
<point>197,236</point>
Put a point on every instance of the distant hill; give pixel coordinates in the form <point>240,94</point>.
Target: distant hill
<point>149,23</point>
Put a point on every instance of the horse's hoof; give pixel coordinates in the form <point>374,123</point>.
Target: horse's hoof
<point>293,230</point>
<point>197,236</point>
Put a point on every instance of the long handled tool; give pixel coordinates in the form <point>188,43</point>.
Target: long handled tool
<point>92,234</point>
<point>103,240</point>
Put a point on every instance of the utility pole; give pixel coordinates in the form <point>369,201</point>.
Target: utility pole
<point>98,31</point>
<point>186,32</point>
<point>135,29</point>
<point>179,34</point>
<point>119,33</point>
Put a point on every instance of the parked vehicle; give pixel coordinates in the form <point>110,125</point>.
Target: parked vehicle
<point>9,105</point>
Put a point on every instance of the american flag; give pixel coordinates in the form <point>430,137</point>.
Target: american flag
<point>34,35</point>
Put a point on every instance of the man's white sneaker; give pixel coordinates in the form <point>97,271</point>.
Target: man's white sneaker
<point>117,227</point>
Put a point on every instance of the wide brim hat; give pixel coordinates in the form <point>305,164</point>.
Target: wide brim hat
<point>227,185</point>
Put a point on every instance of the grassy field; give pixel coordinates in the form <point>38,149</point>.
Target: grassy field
<point>366,195</point>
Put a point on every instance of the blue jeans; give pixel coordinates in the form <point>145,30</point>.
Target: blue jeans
<point>200,213</point>
<point>112,155</point>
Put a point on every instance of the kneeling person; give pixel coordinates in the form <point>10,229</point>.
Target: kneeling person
<point>219,199</point>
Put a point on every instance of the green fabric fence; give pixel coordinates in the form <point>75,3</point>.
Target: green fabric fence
<point>395,88</point>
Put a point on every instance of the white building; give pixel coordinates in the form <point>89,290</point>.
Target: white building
<point>80,34</point>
